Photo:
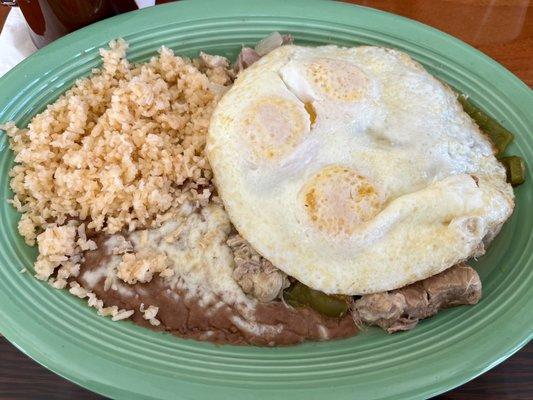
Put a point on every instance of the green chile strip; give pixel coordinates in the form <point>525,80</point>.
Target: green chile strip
<point>500,137</point>
<point>299,295</point>
<point>516,170</point>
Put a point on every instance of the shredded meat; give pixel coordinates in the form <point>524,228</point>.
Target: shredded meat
<point>401,309</point>
<point>246,57</point>
<point>255,274</point>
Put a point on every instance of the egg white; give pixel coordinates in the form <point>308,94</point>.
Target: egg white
<point>369,177</point>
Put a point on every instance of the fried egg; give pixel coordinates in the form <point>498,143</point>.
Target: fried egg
<point>353,169</point>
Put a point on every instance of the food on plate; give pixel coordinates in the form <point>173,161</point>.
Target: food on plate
<point>296,194</point>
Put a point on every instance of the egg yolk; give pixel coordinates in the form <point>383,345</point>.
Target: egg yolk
<point>274,126</point>
<point>338,199</point>
<point>337,79</point>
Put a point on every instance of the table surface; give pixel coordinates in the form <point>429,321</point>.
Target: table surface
<point>502,29</point>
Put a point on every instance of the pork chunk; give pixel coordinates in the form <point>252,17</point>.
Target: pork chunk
<point>255,274</point>
<point>401,309</point>
<point>246,57</point>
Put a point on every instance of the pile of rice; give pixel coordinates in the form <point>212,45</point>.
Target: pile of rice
<point>118,151</point>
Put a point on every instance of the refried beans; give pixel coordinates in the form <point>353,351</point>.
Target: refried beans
<point>200,311</point>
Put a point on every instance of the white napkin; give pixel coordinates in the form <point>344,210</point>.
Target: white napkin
<point>15,41</point>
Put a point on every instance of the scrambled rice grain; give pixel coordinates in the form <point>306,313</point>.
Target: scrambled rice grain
<point>118,150</point>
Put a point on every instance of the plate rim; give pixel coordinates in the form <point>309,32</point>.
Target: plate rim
<point>12,335</point>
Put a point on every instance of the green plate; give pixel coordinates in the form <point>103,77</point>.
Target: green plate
<point>125,361</point>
